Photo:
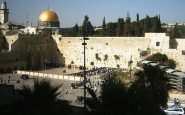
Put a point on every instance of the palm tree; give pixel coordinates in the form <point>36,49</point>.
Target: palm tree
<point>149,93</point>
<point>112,98</point>
<point>42,99</point>
<point>145,96</point>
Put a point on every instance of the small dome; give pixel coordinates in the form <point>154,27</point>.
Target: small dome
<point>48,16</point>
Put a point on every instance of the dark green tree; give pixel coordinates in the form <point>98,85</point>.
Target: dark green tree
<point>146,24</point>
<point>138,30</point>
<point>162,59</point>
<point>127,26</point>
<point>159,23</point>
<point>75,30</point>
<point>181,30</point>
<point>91,29</point>
<point>149,93</point>
<point>133,26</point>
<point>175,32</point>
<point>111,29</point>
<point>120,27</point>
<point>87,28</point>
<point>104,27</point>
<point>42,99</point>
<point>155,24</point>
<point>105,104</point>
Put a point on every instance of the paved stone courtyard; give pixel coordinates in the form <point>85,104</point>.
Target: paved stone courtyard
<point>71,94</point>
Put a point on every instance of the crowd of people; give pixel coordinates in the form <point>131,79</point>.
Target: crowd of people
<point>98,71</point>
<point>176,102</point>
<point>93,81</point>
<point>7,81</point>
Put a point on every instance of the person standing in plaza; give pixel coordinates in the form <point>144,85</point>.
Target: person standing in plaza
<point>175,101</point>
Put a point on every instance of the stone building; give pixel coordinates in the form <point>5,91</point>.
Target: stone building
<point>4,11</point>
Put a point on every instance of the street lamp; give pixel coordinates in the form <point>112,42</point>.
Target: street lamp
<point>85,79</point>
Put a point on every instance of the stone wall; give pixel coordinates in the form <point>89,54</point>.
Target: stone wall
<point>123,47</point>
<point>36,49</point>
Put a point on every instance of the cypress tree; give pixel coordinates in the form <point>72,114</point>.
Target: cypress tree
<point>87,28</point>
<point>104,26</point>
<point>127,26</point>
<point>137,26</point>
<point>146,24</point>
<point>75,30</point>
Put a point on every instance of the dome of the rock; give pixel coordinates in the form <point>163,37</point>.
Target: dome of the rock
<point>48,18</point>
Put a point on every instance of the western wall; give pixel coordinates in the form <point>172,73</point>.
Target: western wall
<point>34,50</point>
<point>126,48</point>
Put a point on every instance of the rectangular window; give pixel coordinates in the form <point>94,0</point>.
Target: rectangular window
<point>157,43</point>
<point>183,52</point>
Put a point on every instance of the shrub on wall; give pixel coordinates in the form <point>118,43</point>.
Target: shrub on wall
<point>92,63</point>
<point>72,62</point>
<point>69,66</point>
<point>171,63</point>
<point>97,57</point>
<point>162,59</point>
<point>105,57</point>
<point>118,65</point>
<point>116,57</point>
<point>143,53</point>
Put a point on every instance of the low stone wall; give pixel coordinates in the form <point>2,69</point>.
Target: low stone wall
<point>55,76</point>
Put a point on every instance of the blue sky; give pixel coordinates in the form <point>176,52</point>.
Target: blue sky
<point>73,11</point>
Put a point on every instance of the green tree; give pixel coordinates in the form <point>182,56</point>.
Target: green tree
<point>171,63</point>
<point>75,30</point>
<point>120,27</point>
<point>155,26</point>
<point>175,32</point>
<point>146,24</point>
<point>87,28</point>
<point>149,93</point>
<point>162,59</point>
<point>127,26</point>
<point>111,29</point>
<point>112,87</point>
<point>104,27</point>
<point>91,29</point>
<point>138,31</point>
<point>181,30</point>
<point>42,99</point>
<point>159,24</point>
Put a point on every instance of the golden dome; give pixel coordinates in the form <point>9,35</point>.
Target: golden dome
<point>48,15</point>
